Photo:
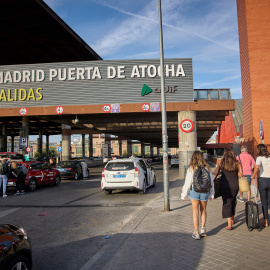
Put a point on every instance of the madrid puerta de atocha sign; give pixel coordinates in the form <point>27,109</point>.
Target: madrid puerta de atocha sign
<point>95,82</point>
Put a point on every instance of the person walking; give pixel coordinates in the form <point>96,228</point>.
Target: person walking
<point>263,165</point>
<point>198,199</point>
<point>230,171</point>
<point>3,175</point>
<point>247,162</point>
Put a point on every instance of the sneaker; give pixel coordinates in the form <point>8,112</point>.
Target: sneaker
<point>240,199</point>
<point>22,192</point>
<point>17,193</point>
<point>203,231</point>
<point>196,236</point>
<point>4,195</point>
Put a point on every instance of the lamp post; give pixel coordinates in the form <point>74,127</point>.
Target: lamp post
<point>164,117</point>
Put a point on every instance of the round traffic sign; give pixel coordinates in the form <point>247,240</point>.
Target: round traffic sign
<point>186,125</point>
<point>146,107</point>
<point>261,130</point>
<point>59,109</point>
<point>106,108</point>
<point>28,149</point>
<point>23,111</point>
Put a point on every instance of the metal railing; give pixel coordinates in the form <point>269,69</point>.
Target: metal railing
<point>212,94</point>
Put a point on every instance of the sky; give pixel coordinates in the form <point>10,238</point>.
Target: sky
<point>204,30</point>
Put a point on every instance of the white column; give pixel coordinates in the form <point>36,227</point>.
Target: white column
<point>66,142</point>
<point>187,141</point>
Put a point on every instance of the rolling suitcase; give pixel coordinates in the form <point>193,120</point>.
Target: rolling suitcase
<point>252,215</point>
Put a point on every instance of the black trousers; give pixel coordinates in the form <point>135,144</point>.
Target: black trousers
<point>264,188</point>
<point>20,182</point>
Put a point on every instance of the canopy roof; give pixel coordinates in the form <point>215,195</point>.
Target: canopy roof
<point>32,33</point>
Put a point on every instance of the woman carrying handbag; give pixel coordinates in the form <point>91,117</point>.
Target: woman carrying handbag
<point>230,171</point>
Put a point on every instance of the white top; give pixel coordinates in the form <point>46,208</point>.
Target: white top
<point>188,183</point>
<point>264,164</point>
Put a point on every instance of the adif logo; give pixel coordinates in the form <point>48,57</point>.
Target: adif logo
<point>147,90</point>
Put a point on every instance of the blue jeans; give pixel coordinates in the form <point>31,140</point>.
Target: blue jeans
<point>198,195</point>
<point>3,178</point>
<point>248,178</point>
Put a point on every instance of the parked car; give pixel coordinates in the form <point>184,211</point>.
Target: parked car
<point>174,161</point>
<point>90,161</point>
<point>71,169</point>
<point>39,173</point>
<point>15,248</point>
<point>129,173</point>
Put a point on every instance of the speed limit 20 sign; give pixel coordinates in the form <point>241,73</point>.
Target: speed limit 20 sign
<point>106,108</point>
<point>186,125</point>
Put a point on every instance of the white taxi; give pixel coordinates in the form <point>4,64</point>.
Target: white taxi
<point>129,173</point>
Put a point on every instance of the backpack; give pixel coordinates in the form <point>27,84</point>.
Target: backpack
<point>202,180</point>
<point>23,169</point>
<point>3,168</point>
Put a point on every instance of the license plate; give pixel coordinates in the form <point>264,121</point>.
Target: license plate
<point>119,176</point>
<point>61,170</point>
<point>11,184</point>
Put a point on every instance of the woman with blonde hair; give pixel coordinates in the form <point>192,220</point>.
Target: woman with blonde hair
<point>231,169</point>
<point>198,199</point>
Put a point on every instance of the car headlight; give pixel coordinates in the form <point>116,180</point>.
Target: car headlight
<point>21,232</point>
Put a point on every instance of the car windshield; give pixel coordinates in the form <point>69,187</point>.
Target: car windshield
<point>120,166</point>
<point>34,166</point>
<point>66,164</point>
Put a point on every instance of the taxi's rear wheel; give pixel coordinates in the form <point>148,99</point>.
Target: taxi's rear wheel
<point>32,185</point>
<point>108,192</point>
<point>57,180</point>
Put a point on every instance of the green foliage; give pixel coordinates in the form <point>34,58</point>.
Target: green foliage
<point>52,152</point>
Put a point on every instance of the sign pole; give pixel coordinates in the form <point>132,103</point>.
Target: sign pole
<point>164,118</point>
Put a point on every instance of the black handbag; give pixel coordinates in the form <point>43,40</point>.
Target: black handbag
<point>217,185</point>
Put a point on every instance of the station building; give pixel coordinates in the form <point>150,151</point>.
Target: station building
<point>52,83</point>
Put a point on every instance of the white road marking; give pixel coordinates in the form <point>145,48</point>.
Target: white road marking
<point>7,212</point>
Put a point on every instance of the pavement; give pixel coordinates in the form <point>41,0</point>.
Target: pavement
<point>156,239</point>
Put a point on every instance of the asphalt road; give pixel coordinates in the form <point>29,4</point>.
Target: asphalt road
<point>69,224</point>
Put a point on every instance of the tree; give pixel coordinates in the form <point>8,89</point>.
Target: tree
<point>52,152</point>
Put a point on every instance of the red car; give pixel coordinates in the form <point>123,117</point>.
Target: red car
<point>39,173</point>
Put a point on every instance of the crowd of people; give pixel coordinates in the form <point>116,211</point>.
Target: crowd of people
<point>231,167</point>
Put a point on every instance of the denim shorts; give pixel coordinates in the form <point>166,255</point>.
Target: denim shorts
<point>248,178</point>
<point>198,195</point>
